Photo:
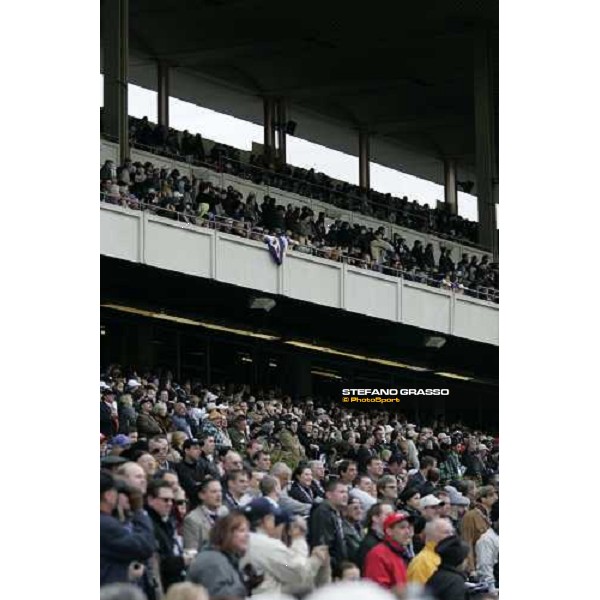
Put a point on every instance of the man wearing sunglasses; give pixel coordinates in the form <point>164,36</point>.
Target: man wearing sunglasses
<point>444,508</point>
<point>173,562</point>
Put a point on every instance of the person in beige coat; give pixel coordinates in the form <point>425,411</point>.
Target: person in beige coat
<point>199,522</point>
<point>284,569</point>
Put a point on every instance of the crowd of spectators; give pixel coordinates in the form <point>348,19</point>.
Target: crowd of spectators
<point>237,491</point>
<point>305,182</point>
<point>171,194</point>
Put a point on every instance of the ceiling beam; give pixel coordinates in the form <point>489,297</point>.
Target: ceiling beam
<point>198,56</point>
<point>329,88</point>
<point>420,122</point>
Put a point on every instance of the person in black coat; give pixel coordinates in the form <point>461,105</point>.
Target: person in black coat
<point>365,452</point>
<point>326,527</point>
<point>448,582</point>
<point>172,561</point>
<point>121,545</point>
<point>301,489</point>
<point>108,426</point>
<point>351,518</point>
<point>189,470</point>
<point>376,515</point>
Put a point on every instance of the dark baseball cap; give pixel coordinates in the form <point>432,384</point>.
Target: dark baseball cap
<point>259,508</point>
<point>112,460</point>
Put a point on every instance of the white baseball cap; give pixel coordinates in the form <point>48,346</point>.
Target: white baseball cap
<point>429,500</point>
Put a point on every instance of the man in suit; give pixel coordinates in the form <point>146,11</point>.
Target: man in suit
<point>318,481</point>
<point>199,522</point>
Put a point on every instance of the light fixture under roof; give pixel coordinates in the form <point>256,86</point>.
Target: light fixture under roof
<point>265,304</point>
<point>372,359</point>
<point>454,376</point>
<point>435,341</point>
<point>326,374</point>
<point>263,336</point>
<point>185,321</point>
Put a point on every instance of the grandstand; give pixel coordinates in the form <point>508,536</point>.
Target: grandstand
<point>187,176</point>
<point>306,184</point>
<point>429,118</point>
<point>241,295</point>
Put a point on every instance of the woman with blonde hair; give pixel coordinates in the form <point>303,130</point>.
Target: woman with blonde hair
<point>159,412</point>
<point>186,591</point>
<point>177,439</point>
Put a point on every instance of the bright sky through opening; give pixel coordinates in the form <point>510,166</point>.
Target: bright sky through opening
<point>302,153</point>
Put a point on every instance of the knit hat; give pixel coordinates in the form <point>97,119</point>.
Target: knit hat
<point>452,551</point>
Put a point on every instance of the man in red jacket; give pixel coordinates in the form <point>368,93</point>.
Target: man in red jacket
<point>386,562</point>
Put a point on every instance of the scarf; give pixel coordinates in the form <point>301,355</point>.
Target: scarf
<point>277,245</point>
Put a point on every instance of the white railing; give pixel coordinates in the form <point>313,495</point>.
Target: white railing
<point>222,251</point>
<point>219,173</point>
<point>246,230</point>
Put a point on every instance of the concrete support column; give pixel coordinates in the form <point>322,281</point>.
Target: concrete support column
<point>281,118</point>
<point>364,158</point>
<point>269,130</point>
<point>163,93</point>
<point>450,195</point>
<point>115,40</point>
<point>485,142</point>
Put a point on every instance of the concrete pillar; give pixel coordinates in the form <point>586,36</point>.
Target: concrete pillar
<point>485,142</point>
<point>269,130</point>
<point>450,195</point>
<point>115,40</point>
<point>364,158</point>
<point>163,93</point>
<point>281,118</point>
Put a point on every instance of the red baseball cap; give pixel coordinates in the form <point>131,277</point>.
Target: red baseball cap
<point>394,518</point>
